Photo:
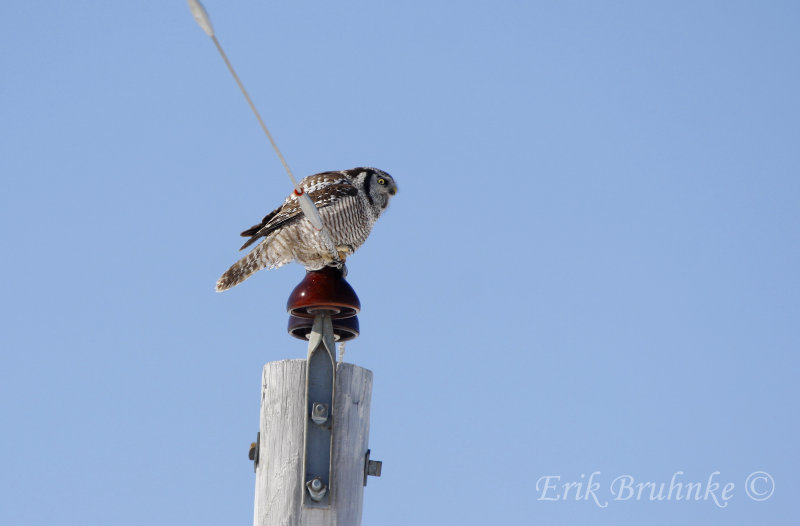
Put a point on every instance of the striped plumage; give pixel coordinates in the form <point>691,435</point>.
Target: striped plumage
<point>349,201</point>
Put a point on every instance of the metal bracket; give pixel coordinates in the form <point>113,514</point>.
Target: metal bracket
<point>320,382</point>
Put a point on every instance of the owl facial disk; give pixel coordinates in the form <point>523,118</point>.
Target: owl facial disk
<point>389,182</point>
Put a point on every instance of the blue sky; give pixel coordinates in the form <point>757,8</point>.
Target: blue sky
<point>591,265</point>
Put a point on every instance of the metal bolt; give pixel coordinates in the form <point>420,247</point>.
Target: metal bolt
<point>316,488</point>
<point>371,467</point>
<point>253,453</point>
<point>374,468</point>
<point>319,413</point>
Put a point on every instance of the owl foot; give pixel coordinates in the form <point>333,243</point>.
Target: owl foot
<point>344,250</point>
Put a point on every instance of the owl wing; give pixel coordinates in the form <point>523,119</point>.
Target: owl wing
<point>290,211</point>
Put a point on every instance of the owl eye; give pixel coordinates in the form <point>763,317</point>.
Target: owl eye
<point>381,180</point>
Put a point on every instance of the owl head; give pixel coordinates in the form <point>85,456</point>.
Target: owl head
<point>376,185</point>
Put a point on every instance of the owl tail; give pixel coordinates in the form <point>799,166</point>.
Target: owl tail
<point>260,257</point>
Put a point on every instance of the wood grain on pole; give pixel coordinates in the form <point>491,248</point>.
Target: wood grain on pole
<point>279,477</point>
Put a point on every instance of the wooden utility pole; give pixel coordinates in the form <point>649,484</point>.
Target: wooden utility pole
<point>311,457</point>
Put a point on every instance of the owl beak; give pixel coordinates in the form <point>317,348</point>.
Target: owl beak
<point>393,190</point>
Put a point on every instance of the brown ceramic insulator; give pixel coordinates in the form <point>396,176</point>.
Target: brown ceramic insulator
<point>323,289</point>
<point>344,329</point>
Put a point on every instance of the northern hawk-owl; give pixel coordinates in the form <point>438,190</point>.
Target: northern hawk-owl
<point>349,201</point>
